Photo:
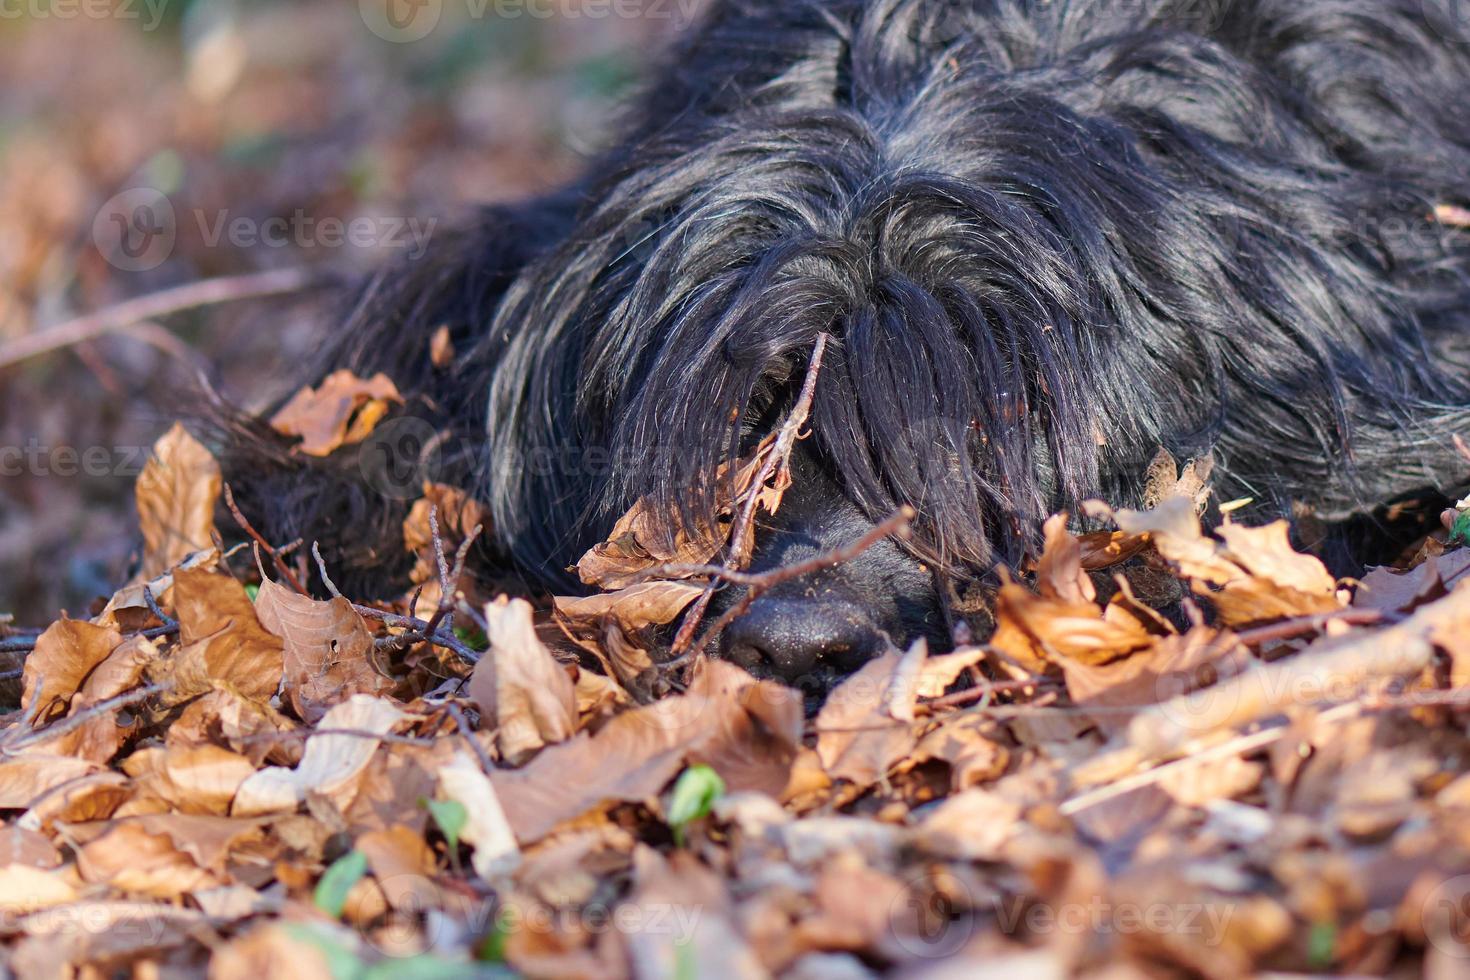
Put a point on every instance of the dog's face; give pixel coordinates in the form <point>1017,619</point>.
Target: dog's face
<point>815,629</point>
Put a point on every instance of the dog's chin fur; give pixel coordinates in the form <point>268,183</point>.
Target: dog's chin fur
<point>1047,238</point>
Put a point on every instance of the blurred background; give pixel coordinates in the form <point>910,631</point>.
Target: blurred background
<point>146,144</point>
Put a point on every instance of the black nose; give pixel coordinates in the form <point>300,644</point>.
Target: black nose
<point>787,638</point>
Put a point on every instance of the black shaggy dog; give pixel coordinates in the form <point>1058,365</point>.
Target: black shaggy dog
<point>1048,237</point>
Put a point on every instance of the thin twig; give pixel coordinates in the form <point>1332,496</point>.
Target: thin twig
<point>300,734</point>
<point>896,525</point>
<point>255,535</point>
<point>983,691</point>
<point>457,713</point>
<point>416,633</point>
<point>209,292</point>
<point>321,567</point>
<point>1292,628</point>
<point>776,464</point>
<point>81,718</point>
<point>154,608</point>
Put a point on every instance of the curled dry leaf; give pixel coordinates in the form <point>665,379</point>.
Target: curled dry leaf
<point>131,858</point>
<point>199,779</point>
<point>64,656</point>
<point>329,764</point>
<point>25,889</point>
<point>525,696</point>
<point>1390,590</point>
<point>858,736</point>
<point>747,730</point>
<point>644,539</point>
<point>636,607</point>
<point>328,649</point>
<point>177,493</point>
<point>487,829</point>
<point>1254,576</point>
<point>342,411</point>
<point>221,641</point>
<point>1061,619</point>
<point>27,778</point>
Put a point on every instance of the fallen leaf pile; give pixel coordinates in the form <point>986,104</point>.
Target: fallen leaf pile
<point>217,774</point>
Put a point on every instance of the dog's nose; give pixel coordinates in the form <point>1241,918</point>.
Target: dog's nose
<point>787,638</point>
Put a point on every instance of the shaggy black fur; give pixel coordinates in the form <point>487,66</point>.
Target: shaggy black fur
<point>1048,236</point>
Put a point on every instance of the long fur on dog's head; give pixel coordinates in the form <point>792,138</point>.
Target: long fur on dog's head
<point>1046,237</point>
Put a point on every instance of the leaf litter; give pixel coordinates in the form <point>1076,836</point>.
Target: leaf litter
<point>1272,776</point>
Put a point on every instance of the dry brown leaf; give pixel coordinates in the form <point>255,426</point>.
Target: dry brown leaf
<point>525,696</point>
<point>747,730</point>
<point>25,888</point>
<point>19,845</point>
<point>64,656</point>
<point>131,858</point>
<point>1174,665</point>
<point>404,867</point>
<point>636,607</point>
<point>1254,576</point>
<point>199,779</point>
<point>858,737</point>
<point>342,411</point>
<point>643,539</point>
<point>177,493</point>
<point>221,641</point>
<point>270,950</point>
<point>330,763</point>
<point>1061,619</point>
<point>96,796</point>
<point>26,778</point>
<point>966,743</point>
<point>974,825</point>
<point>328,649</point>
<point>1390,590</point>
<point>487,829</point>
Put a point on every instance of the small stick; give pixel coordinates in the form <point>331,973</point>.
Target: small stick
<point>154,608</point>
<point>209,292</point>
<point>455,712</point>
<point>321,568</point>
<point>982,691</point>
<point>79,719</point>
<point>1292,628</point>
<point>776,463</point>
<point>256,536</point>
<point>897,524</point>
